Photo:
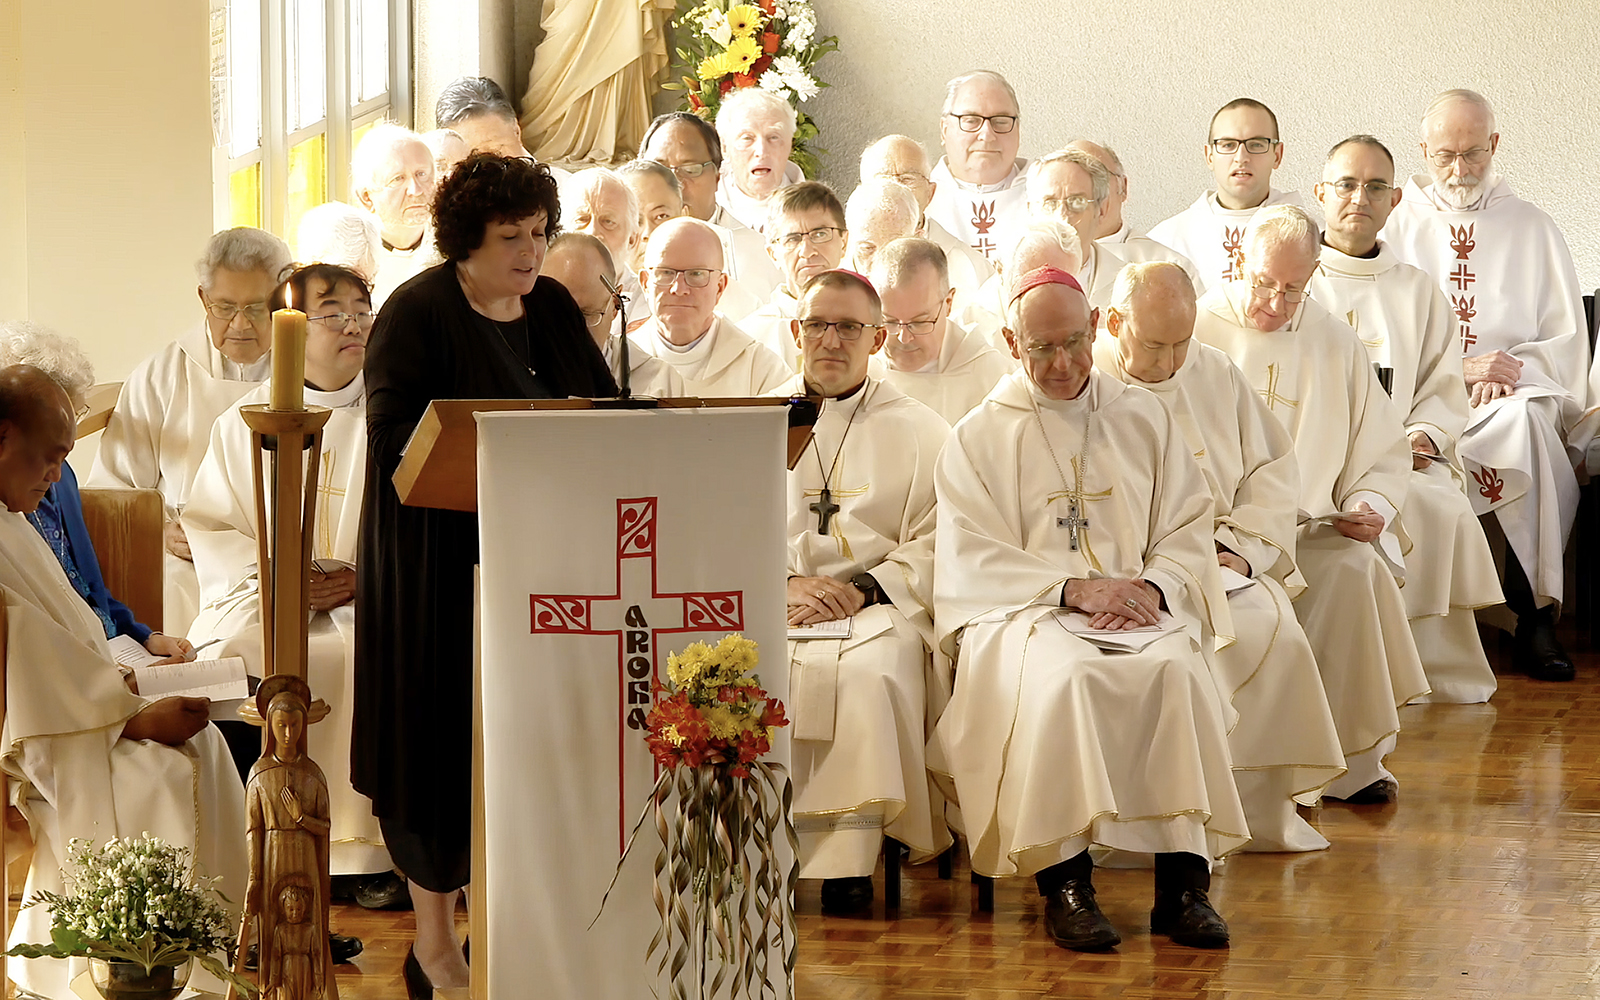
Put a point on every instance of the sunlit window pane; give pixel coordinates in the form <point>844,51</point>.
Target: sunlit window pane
<point>369,49</point>
<point>243,75</point>
<point>306,34</point>
<point>308,185</point>
<point>244,196</point>
<point>361,133</point>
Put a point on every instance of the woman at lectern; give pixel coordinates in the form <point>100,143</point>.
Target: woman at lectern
<point>482,325</point>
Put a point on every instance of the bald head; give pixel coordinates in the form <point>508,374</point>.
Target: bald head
<point>688,253</point>
<point>878,213</point>
<point>900,158</point>
<point>1152,318</point>
<point>37,429</point>
<point>1111,220</point>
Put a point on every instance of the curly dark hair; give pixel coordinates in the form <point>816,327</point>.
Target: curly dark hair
<point>485,189</point>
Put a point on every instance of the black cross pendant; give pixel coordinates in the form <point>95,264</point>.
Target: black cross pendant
<point>824,508</point>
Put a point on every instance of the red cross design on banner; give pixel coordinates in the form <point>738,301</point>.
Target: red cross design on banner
<point>637,614</point>
<point>1461,277</point>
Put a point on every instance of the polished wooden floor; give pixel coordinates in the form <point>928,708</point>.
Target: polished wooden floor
<point>1480,882</point>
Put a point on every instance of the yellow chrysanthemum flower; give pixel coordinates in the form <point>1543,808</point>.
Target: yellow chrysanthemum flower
<point>744,19</point>
<point>713,67</point>
<point>723,722</point>
<point>671,735</point>
<point>742,54</point>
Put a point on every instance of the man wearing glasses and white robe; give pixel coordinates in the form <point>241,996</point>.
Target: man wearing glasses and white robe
<point>979,194</point>
<point>1242,151</point>
<point>806,235</point>
<point>161,426</point>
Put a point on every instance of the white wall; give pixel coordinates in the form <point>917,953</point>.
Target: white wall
<point>455,38</point>
<point>1145,76</point>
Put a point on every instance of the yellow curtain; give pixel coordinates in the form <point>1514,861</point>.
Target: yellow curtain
<point>588,99</point>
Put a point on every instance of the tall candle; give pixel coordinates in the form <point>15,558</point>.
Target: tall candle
<point>289,359</point>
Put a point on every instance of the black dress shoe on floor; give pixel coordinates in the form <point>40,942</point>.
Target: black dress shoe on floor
<point>341,946</point>
<point>1379,793</point>
<point>847,895</point>
<point>1538,653</point>
<point>1189,920</point>
<point>1075,921</point>
<point>418,985</point>
<point>383,892</point>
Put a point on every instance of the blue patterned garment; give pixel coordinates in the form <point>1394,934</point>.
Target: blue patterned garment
<point>47,521</point>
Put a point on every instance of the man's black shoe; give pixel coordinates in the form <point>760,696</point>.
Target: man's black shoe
<point>847,895</point>
<point>1074,919</point>
<point>1188,919</point>
<point>1379,793</point>
<point>1538,652</point>
<point>383,892</point>
<point>342,947</point>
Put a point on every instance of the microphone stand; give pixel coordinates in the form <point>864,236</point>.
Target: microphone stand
<point>624,376</point>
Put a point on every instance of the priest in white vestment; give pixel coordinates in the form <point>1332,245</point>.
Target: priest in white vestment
<point>806,235</point>
<point>597,202</point>
<point>877,213</point>
<point>757,130</point>
<point>221,525</point>
<point>1406,325</point>
<point>87,757</point>
<point>336,233</point>
<point>1242,151</point>
<point>392,176</point>
<point>1114,230</point>
<point>931,358</point>
<point>1509,276</point>
<point>583,266</point>
<point>1285,747</point>
<point>683,276</point>
<point>1073,187</point>
<point>1046,242</point>
<point>861,520</point>
<point>902,159</point>
<point>1068,491</point>
<point>689,146</point>
<point>1313,374</point>
<point>162,422</point>
<point>979,192</point>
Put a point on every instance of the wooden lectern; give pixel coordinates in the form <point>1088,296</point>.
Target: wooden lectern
<point>439,470</point>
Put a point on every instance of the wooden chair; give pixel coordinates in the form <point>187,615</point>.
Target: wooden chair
<point>125,527</point>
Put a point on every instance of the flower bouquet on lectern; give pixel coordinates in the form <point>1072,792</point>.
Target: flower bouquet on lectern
<point>724,895</point>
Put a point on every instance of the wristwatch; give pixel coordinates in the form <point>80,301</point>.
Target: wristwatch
<point>868,586</point>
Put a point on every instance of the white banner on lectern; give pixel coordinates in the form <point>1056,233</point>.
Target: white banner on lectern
<point>610,539</point>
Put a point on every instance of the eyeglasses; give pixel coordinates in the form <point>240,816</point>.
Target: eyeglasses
<point>338,321</point>
<point>848,330</point>
<point>914,327</point>
<point>910,178</point>
<point>1471,157</point>
<point>820,236</point>
<point>1074,205</point>
<point>255,312</point>
<point>972,123</point>
<point>1346,188</point>
<point>694,277</point>
<point>592,319</point>
<point>1266,292</point>
<point>1046,353</point>
<point>689,171</point>
<point>1254,146</point>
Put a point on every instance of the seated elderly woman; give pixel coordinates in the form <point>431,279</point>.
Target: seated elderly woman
<point>483,325</point>
<point>159,431</point>
<point>59,516</point>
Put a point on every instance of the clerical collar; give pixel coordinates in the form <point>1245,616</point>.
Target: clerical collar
<point>1369,255</point>
<point>1120,236</point>
<point>350,395</point>
<point>1003,185</point>
<point>258,370</point>
<point>812,390</point>
<point>410,249</point>
<point>1221,209</point>
<point>1086,396</point>
<point>696,350</point>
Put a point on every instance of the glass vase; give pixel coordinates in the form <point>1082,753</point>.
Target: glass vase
<point>128,981</point>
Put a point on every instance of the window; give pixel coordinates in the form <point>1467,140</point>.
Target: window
<point>294,85</point>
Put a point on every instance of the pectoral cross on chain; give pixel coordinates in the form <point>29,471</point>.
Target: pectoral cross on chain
<point>825,508</point>
<point>1073,522</point>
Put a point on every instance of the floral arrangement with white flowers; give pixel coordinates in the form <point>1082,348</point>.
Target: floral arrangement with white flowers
<point>137,901</point>
<point>771,44</point>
